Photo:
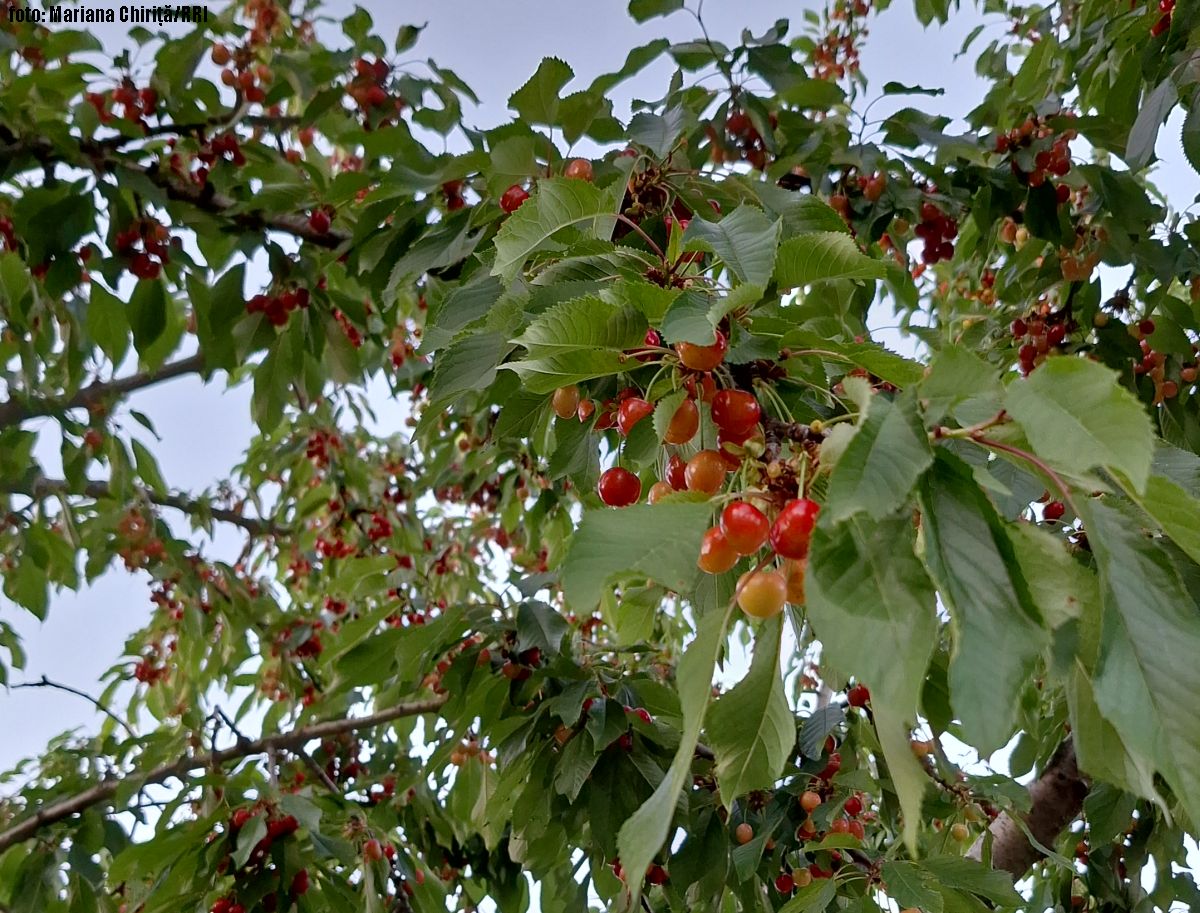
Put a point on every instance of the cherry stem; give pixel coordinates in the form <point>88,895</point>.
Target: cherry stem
<point>621,217</point>
<point>978,438</point>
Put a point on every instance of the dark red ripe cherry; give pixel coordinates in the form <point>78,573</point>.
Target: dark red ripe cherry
<point>1056,334</point>
<point>784,883</point>
<point>1019,328</point>
<point>632,411</point>
<point>853,806</point>
<point>319,221</point>
<point>676,472</point>
<point>1146,327</point>
<point>745,527</point>
<point>831,767</point>
<point>858,696</point>
<point>793,528</point>
<point>735,411</point>
<point>656,875</point>
<point>511,199</point>
<point>1054,510</point>
<point>619,487</point>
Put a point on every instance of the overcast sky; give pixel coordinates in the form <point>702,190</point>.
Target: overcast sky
<point>495,46</point>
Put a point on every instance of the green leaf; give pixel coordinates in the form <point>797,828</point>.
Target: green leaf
<point>253,831</point>
<point>1177,512</point>
<point>147,313</point>
<point>998,630</point>
<point>540,626</point>
<point>558,203</point>
<point>657,132</point>
<point>407,37</point>
<point>664,411</point>
<point>537,101</point>
<point>911,886</point>
<point>881,362</point>
<point>883,461</point>
<point>692,318</point>
<point>575,341</point>
<point>1061,587</point>
<point>1189,137</point>
<point>872,607</point>
<point>816,895</point>
<point>469,364</point>
<point>817,727</point>
<point>751,729</point>
<point>1074,412</point>
<point>746,240</point>
<point>644,833</point>
<point>960,382</point>
<point>968,875</point>
<point>659,541</point>
<point>1147,677</point>
<point>821,256</point>
<point>1139,148</point>
<point>643,10</point>
<point>107,324</point>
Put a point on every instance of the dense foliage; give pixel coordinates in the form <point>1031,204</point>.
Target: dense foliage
<point>648,426</point>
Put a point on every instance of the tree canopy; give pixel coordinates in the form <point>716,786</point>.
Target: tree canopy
<point>470,663</point>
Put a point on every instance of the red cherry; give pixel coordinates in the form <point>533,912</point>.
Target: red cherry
<point>372,851</point>
<point>1054,510</point>
<point>299,883</point>
<point>743,833</point>
<point>240,817</point>
<point>745,527</point>
<point>632,411</point>
<point>684,423</point>
<point>857,830</point>
<point>705,472</point>
<point>656,875</point>
<point>853,806</point>
<point>810,801</point>
<point>784,883</point>
<point>1146,327</point>
<point>511,199</point>
<point>716,554</point>
<point>703,358</point>
<point>858,696</point>
<point>839,826</point>
<point>735,411</point>
<point>832,766</point>
<point>677,472</point>
<point>319,221</point>
<point>793,528</point>
<point>619,487</point>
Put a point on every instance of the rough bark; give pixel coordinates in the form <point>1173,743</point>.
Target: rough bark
<point>1057,798</point>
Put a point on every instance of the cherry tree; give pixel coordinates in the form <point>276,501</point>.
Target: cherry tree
<point>470,663</point>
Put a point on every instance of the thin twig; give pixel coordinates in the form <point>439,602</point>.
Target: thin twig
<point>1029,457</point>
<point>45,682</point>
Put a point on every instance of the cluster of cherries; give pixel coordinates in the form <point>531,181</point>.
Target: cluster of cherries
<point>139,545</point>
<point>278,307</point>
<point>1037,336</point>
<point>743,137</point>
<point>241,73</point>
<point>1051,158</point>
<point>146,246</point>
<point>1153,364</point>
<point>278,828</point>
<point>136,104</point>
<point>938,231</point>
<point>368,88</point>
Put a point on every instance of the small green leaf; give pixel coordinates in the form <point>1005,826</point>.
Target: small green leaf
<point>910,886</point>
<point>643,10</point>
<point>147,313</point>
<point>817,727</point>
<point>107,324</point>
<point>657,132</point>
<point>540,626</point>
<point>538,100</point>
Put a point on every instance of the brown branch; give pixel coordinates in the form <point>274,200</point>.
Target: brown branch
<point>1057,798</point>
<point>14,411</point>
<point>45,682</point>
<point>284,741</point>
<point>43,487</point>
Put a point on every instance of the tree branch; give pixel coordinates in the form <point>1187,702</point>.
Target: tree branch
<point>1057,797</point>
<point>45,682</point>
<point>101,159</point>
<point>43,487</point>
<point>14,411</point>
<point>284,741</point>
